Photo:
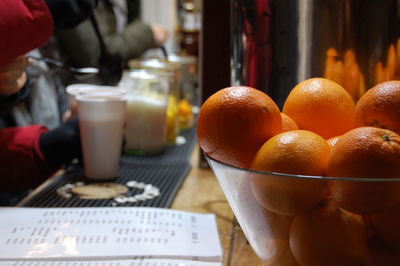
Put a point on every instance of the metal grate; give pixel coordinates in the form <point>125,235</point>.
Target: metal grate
<point>166,172</point>
<point>172,154</point>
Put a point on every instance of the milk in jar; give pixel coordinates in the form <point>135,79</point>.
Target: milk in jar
<point>146,125</point>
<point>146,118</point>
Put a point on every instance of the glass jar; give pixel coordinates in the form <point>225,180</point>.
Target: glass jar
<point>188,103</point>
<point>146,118</point>
<point>172,72</point>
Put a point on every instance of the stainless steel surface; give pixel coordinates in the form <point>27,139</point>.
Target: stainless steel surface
<point>83,73</point>
<point>278,43</point>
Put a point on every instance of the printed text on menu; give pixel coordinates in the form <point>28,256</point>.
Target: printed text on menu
<point>106,233</point>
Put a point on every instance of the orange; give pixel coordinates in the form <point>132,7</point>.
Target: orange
<point>321,106</point>
<point>288,123</point>
<point>391,63</point>
<point>297,152</point>
<point>386,226</point>
<point>333,68</point>
<point>185,115</point>
<point>328,235</point>
<point>337,72</point>
<point>365,152</point>
<point>379,75</point>
<point>351,80</point>
<point>381,255</point>
<point>361,89</point>
<point>351,74</point>
<point>380,107</point>
<point>397,58</point>
<point>267,232</point>
<point>332,141</point>
<point>234,122</point>
<point>330,61</point>
<point>285,259</point>
<point>331,53</point>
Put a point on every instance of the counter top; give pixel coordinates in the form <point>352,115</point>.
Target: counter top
<point>200,192</point>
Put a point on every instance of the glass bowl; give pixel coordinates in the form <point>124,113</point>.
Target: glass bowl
<point>297,219</point>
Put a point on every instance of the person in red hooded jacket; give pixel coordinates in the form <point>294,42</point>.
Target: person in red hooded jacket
<point>25,25</point>
<point>29,155</point>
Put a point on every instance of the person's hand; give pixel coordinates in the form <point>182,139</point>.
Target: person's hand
<point>160,33</point>
<point>13,76</point>
<point>71,113</point>
<point>62,144</point>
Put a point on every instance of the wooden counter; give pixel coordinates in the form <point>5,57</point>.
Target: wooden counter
<point>201,193</point>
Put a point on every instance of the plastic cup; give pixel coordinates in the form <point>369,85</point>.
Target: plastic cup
<point>82,89</point>
<point>101,122</point>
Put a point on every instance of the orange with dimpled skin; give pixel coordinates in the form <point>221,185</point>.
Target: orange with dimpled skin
<point>296,152</point>
<point>234,122</point>
<point>365,152</point>
<point>380,107</point>
<point>386,226</point>
<point>288,123</point>
<point>321,106</point>
<point>328,235</point>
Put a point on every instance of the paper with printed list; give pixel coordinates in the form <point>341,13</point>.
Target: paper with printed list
<point>107,236</point>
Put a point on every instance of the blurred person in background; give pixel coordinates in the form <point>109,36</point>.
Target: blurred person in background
<point>125,37</point>
<point>45,100</point>
<point>29,151</point>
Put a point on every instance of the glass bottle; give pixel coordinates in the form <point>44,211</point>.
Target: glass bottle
<point>190,20</point>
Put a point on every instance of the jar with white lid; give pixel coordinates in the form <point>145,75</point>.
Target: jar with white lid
<point>146,118</point>
<point>172,70</point>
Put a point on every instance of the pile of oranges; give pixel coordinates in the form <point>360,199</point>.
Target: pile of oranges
<point>341,220</point>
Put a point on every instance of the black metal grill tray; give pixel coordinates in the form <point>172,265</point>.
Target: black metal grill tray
<point>166,172</point>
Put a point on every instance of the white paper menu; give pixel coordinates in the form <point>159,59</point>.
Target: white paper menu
<point>107,234</point>
<point>137,262</point>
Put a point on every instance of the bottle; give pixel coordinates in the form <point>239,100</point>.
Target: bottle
<point>190,20</point>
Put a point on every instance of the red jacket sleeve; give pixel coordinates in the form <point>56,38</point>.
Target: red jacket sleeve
<point>22,164</point>
<point>24,26</point>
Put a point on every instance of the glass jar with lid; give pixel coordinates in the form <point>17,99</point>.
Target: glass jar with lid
<point>188,103</point>
<point>146,118</point>
<point>172,71</point>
